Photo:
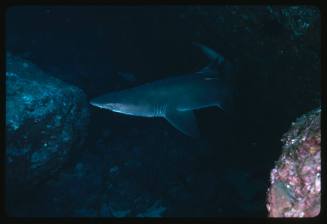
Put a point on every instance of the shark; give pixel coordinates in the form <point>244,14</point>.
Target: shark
<point>175,98</point>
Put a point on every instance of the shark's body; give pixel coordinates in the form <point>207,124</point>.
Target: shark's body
<point>175,98</point>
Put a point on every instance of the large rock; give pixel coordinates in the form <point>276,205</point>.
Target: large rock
<point>75,191</point>
<point>45,121</point>
<point>295,180</point>
<point>268,44</point>
<point>296,19</point>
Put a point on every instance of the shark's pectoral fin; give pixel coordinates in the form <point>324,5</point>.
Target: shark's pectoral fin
<point>184,121</point>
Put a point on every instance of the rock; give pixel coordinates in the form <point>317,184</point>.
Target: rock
<point>120,213</point>
<point>295,180</point>
<point>262,41</point>
<point>74,192</point>
<point>296,19</point>
<point>155,210</point>
<point>45,124</point>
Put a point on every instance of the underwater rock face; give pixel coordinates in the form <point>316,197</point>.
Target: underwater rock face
<point>295,180</point>
<point>288,37</point>
<point>296,19</point>
<point>45,120</point>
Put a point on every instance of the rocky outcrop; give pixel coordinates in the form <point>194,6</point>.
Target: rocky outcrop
<point>295,180</point>
<point>269,44</point>
<point>45,122</point>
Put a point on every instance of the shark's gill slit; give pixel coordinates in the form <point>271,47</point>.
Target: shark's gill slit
<point>156,110</point>
<point>164,110</point>
<point>159,110</point>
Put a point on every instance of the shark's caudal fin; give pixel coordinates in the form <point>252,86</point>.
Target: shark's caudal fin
<point>184,121</point>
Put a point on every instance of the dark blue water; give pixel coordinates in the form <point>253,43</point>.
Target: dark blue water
<point>107,48</point>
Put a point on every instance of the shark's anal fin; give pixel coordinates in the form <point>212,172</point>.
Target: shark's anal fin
<point>184,121</point>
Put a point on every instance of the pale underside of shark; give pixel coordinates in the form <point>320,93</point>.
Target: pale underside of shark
<point>175,98</point>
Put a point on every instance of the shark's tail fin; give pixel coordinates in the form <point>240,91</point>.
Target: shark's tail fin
<point>221,69</point>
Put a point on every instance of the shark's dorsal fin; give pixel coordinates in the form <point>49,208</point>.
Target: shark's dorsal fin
<point>184,121</point>
<point>212,55</point>
<point>215,66</point>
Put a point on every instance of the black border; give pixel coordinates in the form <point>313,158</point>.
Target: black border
<point>318,219</point>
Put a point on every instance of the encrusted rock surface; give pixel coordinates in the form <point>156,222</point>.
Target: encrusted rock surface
<point>295,180</point>
<point>45,121</point>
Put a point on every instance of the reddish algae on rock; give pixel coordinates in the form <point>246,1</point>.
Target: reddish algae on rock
<point>295,180</point>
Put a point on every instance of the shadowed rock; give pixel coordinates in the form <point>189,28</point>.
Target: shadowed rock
<point>45,122</point>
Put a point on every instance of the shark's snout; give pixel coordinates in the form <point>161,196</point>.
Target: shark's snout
<point>98,103</point>
<point>104,103</point>
<point>93,103</point>
<point>116,104</point>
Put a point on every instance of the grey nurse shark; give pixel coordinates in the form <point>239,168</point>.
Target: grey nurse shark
<point>175,98</point>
